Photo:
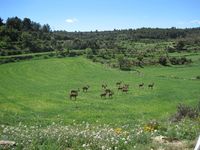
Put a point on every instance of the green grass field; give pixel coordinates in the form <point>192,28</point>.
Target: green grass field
<point>37,92</point>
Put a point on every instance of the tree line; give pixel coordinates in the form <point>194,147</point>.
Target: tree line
<point>21,36</point>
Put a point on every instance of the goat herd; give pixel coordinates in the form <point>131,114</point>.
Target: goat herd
<point>124,88</point>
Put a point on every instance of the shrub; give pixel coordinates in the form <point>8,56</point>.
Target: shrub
<point>185,111</point>
<point>124,63</point>
<point>180,45</point>
<point>89,53</point>
<point>163,61</point>
<point>171,49</point>
<point>74,53</point>
<point>63,53</point>
<point>179,61</point>
<point>46,57</point>
<point>51,54</point>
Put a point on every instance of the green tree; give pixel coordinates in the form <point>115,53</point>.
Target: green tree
<point>124,63</point>
<point>89,53</point>
<point>26,40</point>
<point>35,26</point>
<point>180,45</point>
<point>163,60</point>
<point>14,23</point>
<point>1,21</point>
<point>46,28</point>
<point>26,24</point>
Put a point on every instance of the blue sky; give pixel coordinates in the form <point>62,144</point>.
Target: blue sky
<point>87,15</point>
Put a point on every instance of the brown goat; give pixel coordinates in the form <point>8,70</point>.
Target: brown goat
<point>85,88</point>
<point>107,90</point>
<point>120,88</point>
<point>151,85</point>
<point>71,95</point>
<point>110,94</point>
<point>124,89</point>
<point>103,95</point>
<point>104,86</point>
<point>141,85</point>
<point>75,91</point>
<point>118,83</point>
<point>126,85</point>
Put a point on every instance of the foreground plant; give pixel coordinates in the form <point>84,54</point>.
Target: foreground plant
<point>95,137</point>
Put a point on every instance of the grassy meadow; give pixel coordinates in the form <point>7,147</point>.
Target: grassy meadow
<point>37,113</point>
<point>37,92</point>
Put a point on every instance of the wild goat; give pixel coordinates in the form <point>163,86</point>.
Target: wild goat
<point>107,91</point>
<point>151,85</point>
<point>124,89</point>
<point>75,91</point>
<point>103,95</point>
<point>110,94</point>
<point>71,95</point>
<point>126,85</point>
<point>141,85</point>
<point>120,88</point>
<point>118,83</point>
<point>85,88</point>
<point>104,86</point>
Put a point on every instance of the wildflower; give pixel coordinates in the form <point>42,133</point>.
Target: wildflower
<point>112,139</point>
<point>118,130</point>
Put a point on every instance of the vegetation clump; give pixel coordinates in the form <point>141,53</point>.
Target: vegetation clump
<point>184,111</point>
<point>179,61</point>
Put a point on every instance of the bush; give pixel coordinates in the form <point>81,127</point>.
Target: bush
<point>179,61</point>
<point>46,57</point>
<point>63,53</point>
<point>163,61</point>
<point>180,45</point>
<point>184,111</point>
<point>52,54</point>
<point>171,49</point>
<point>124,63</point>
<point>75,53</point>
<point>89,53</point>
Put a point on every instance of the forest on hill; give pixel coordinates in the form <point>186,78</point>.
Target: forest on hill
<point>118,48</point>
<point>56,100</point>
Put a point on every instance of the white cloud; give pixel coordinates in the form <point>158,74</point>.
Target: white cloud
<point>195,22</point>
<point>71,20</point>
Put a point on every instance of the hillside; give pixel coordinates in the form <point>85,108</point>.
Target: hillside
<point>37,92</point>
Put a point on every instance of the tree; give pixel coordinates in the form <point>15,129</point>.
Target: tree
<point>26,24</point>
<point>124,63</point>
<point>180,45</point>
<point>14,23</point>
<point>89,53</point>
<point>35,26</point>
<point>26,40</point>
<point>163,60</point>
<point>1,21</point>
<point>46,28</point>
